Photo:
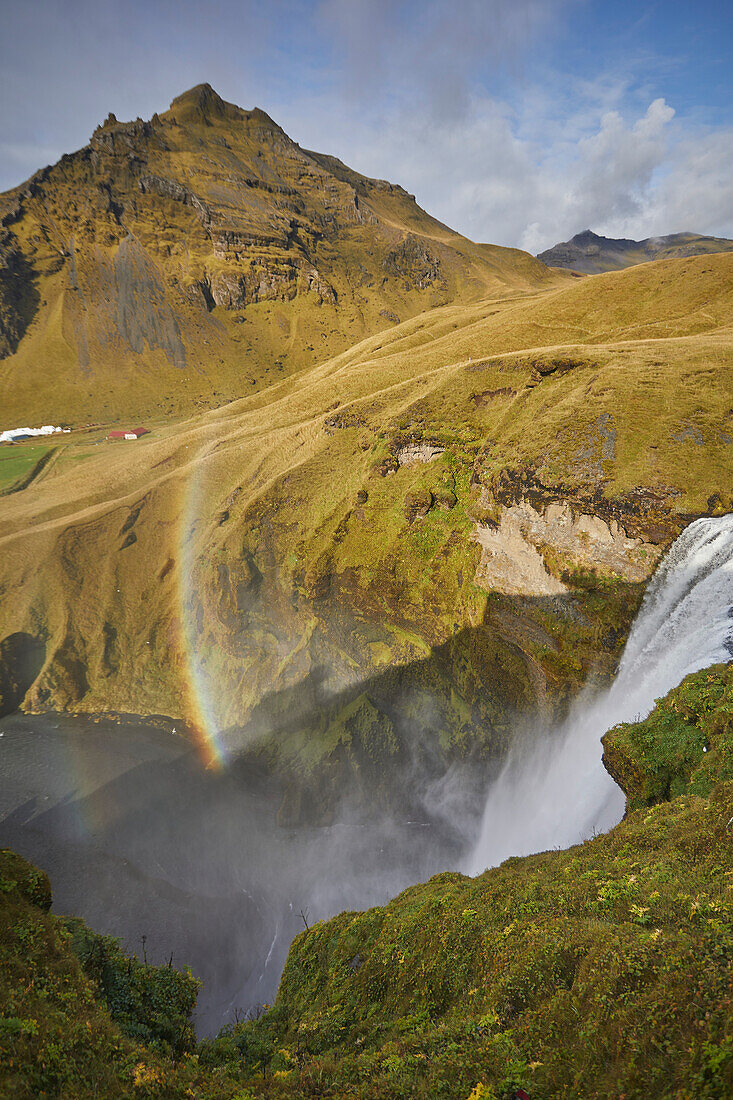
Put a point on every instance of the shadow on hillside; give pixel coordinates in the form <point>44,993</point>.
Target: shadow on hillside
<point>338,801</point>
<point>418,727</point>
<point>19,301</point>
<point>21,660</point>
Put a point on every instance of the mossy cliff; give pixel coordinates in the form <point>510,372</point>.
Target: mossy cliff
<point>81,1019</point>
<point>683,747</point>
<point>601,971</point>
<point>604,970</point>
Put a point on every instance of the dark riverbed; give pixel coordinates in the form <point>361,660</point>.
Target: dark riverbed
<point>141,840</point>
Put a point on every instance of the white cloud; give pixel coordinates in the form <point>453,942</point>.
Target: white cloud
<point>397,89</point>
<point>488,174</point>
<point>695,191</point>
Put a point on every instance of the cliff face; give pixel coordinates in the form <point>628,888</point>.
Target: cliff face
<point>588,253</point>
<point>177,263</point>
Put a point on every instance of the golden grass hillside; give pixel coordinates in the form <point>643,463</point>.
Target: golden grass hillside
<point>351,521</point>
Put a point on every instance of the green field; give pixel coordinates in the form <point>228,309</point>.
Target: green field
<point>16,460</point>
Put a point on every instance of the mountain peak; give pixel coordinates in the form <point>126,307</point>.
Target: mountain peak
<point>587,253</point>
<point>201,103</point>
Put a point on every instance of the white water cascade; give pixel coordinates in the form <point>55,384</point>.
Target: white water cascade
<point>553,790</point>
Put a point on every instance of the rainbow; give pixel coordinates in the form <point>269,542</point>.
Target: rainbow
<point>201,703</point>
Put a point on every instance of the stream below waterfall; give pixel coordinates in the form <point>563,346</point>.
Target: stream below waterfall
<point>141,841</point>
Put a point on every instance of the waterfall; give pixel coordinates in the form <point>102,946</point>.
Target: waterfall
<point>553,790</point>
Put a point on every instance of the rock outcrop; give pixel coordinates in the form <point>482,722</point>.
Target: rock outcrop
<point>534,553</point>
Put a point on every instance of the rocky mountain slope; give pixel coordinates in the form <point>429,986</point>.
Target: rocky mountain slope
<point>188,260</point>
<point>589,254</point>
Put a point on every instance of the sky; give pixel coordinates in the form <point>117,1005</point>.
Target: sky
<point>517,122</point>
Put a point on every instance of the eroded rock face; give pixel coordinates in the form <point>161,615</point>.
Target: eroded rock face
<point>21,659</point>
<point>418,452</point>
<point>511,564</point>
<point>530,551</point>
<point>264,282</point>
<point>413,261</point>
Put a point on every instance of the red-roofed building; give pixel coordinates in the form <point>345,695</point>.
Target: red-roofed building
<point>128,433</point>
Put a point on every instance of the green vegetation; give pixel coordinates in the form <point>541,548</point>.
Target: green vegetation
<point>684,746</point>
<point>604,970</point>
<point>151,1004</point>
<point>97,1024</point>
<point>600,971</point>
<point>17,461</point>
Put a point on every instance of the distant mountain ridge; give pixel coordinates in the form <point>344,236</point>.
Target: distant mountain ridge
<point>590,254</point>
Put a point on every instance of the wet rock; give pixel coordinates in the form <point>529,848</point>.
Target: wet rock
<point>418,503</point>
<point>445,499</point>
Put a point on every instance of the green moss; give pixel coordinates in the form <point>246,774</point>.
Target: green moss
<point>59,1033</point>
<point>685,745</point>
